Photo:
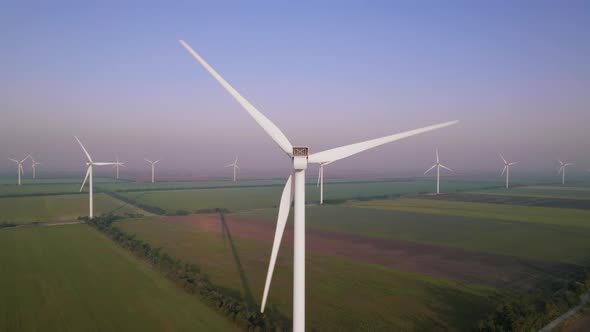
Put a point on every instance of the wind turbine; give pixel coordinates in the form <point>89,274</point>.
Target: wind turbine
<point>507,169</point>
<point>295,188</point>
<point>562,170</point>
<point>321,181</point>
<point>438,166</point>
<point>89,176</point>
<point>34,167</point>
<point>117,164</point>
<point>19,167</point>
<point>153,163</point>
<point>235,166</point>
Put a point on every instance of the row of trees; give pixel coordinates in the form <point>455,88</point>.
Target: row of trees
<point>189,277</point>
<point>533,311</point>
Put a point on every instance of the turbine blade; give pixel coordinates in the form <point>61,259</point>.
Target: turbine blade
<point>103,164</point>
<point>285,206</point>
<point>230,165</point>
<point>83,148</point>
<point>430,169</point>
<point>437,159</point>
<point>85,178</point>
<point>319,174</point>
<point>445,167</point>
<point>560,162</point>
<point>27,157</point>
<point>352,149</point>
<point>503,170</point>
<point>513,163</point>
<point>504,160</point>
<point>271,129</point>
<point>149,161</point>
<point>157,161</point>
<point>236,166</point>
<point>16,161</point>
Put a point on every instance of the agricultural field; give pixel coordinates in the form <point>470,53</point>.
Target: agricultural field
<point>72,278</point>
<point>22,210</point>
<point>336,287</point>
<point>553,191</point>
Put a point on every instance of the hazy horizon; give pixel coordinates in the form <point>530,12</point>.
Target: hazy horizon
<point>516,76</point>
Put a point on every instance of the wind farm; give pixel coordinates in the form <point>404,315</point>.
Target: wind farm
<point>409,114</point>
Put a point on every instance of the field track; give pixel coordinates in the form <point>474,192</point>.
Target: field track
<point>466,266</point>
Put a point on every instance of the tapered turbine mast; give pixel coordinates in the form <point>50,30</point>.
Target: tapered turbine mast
<point>321,181</point>
<point>153,163</point>
<point>438,166</point>
<point>235,166</point>
<point>34,167</point>
<point>89,176</point>
<point>116,166</point>
<point>295,188</point>
<point>562,170</point>
<point>506,169</point>
<point>19,167</point>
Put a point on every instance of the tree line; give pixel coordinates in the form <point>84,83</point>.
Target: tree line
<point>190,277</point>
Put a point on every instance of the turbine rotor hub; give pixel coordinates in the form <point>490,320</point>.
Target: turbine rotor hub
<point>300,155</point>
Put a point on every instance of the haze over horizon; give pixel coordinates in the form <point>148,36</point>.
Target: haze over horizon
<point>517,77</point>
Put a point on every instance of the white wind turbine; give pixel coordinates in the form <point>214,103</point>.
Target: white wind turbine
<point>89,176</point>
<point>34,167</point>
<point>19,167</point>
<point>321,181</point>
<point>438,166</point>
<point>235,166</point>
<point>507,169</point>
<point>153,163</point>
<point>117,164</point>
<point>562,170</point>
<point>295,188</point>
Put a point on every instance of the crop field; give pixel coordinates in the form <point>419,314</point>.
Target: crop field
<point>577,192</point>
<point>72,278</point>
<point>236,199</point>
<point>22,210</point>
<point>336,287</point>
<point>546,202</point>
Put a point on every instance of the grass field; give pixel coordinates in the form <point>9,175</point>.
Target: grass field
<point>543,241</point>
<point>574,192</point>
<point>72,278</point>
<point>341,294</point>
<point>21,210</point>
<point>564,217</point>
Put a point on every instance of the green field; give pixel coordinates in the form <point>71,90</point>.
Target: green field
<point>573,192</point>
<point>21,210</point>
<point>341,294</point>
<point>72,278</point>
<point>543,241</point>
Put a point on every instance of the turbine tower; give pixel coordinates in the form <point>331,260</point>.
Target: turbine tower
<point>19,167</point>
<point>295,188</point>
<point>117,164</point>
<point>34,167</point>
<point>89,176</point>
<point>562,170</point>
<point>153,163</point>
<point>235,166</point>
<point>507,169</point>
<point>321,181</point>
<point>438,166</point>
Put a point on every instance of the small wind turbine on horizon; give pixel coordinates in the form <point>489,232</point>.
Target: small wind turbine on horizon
<point>89,176</point>
<point>116,165</point>
<point>19,167</point>
<point>438,166</point>
<point>507,169</point>
<point>34,167</point>
<point>321,181</point>
<point>235,166</point>
<point>562,170</point>
<point>153,163</point>
<point>294,190</point>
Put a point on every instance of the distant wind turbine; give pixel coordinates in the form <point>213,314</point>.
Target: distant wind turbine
<point>153,163</point>
<point>438,166</point>
<point>562,170</point>
<point>89,176</point>
<point>34,167</point>
<point>117,164</point>
<point>19,167</point>
<point>235,166</point>
<point>295,188</point>
<point>507,169</point>
<point>321,181</point>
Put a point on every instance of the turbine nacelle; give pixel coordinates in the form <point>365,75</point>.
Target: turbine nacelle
<point>300,157</point>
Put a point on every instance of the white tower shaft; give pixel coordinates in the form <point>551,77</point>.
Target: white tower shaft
<point>299,253</point>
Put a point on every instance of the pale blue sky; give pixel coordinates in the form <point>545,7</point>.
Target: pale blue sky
<point>516,74</point>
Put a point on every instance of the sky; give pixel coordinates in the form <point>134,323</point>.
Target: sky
<point>328,73</point>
